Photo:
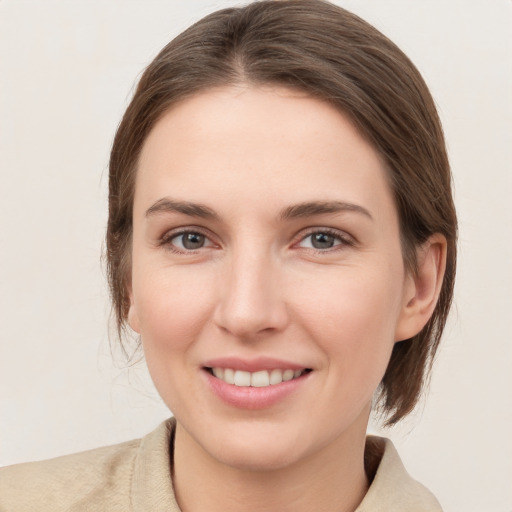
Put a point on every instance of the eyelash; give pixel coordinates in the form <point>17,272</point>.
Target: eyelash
<point>343,239</point>
<point>166,240</point>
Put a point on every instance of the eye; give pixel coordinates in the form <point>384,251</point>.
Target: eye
<point>324,240</point>
<point>187,241</point>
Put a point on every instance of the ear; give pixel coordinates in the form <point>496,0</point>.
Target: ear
<point>421,289</point>
<point>133,316</point>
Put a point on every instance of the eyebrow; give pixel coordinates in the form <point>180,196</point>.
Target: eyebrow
<point>193,209</point>
<point>309,209</point>
<point>301,210</point>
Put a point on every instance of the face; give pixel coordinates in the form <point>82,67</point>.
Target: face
<point>267,282</point>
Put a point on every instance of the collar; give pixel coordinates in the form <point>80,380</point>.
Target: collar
<point>391,488</point>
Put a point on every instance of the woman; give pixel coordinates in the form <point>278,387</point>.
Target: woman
<point>282,236</point>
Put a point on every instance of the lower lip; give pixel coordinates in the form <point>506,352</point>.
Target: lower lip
<point>248,397</point>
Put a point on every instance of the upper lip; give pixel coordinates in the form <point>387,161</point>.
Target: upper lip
<point>253,365</point>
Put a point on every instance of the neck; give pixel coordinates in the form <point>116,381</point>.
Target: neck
<point>332,479</point>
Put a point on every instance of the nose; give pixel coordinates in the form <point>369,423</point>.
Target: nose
<point>251,298</point>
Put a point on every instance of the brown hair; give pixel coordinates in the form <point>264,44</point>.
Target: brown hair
<point>335,56</point>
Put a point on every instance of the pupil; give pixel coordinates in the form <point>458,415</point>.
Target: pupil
<point>193,240</point>
<point>322,241</point>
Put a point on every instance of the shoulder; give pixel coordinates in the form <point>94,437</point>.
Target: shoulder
<point>129,476</point>
<point>392,488</point>
<point>72,482</point>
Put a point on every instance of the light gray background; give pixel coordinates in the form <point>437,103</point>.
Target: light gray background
<point>66,73</point>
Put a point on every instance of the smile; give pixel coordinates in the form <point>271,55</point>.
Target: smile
<point>259,379</point>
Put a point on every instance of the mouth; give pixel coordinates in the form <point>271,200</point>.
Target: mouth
<point>258,379</point>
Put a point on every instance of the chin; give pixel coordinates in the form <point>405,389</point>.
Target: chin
<point>251,444</point>
<point>256,457</point>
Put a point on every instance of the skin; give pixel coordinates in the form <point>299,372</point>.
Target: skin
<point>258,287</point>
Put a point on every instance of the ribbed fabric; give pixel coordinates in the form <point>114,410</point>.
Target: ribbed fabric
<point>136,477</point>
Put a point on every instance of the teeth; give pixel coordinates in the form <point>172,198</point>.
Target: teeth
<point>242,378</point>
<point>276,377</point>
<point>258,379</point>
<point>218,372</point>
<point>229,376</point>
<point>288,375</point>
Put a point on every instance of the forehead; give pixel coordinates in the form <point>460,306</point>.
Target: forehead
<point>269,142</point>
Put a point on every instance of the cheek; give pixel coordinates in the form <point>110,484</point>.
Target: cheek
<point>173,310</point>
<point>352,316</point>
<point>172,307</point>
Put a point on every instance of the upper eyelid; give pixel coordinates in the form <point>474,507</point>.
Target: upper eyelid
<point>342,234</point>
<point>170,234</point>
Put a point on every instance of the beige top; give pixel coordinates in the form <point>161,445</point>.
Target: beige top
<point>135,476</point>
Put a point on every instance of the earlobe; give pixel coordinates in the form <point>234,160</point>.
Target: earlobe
<point>421,290</point>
